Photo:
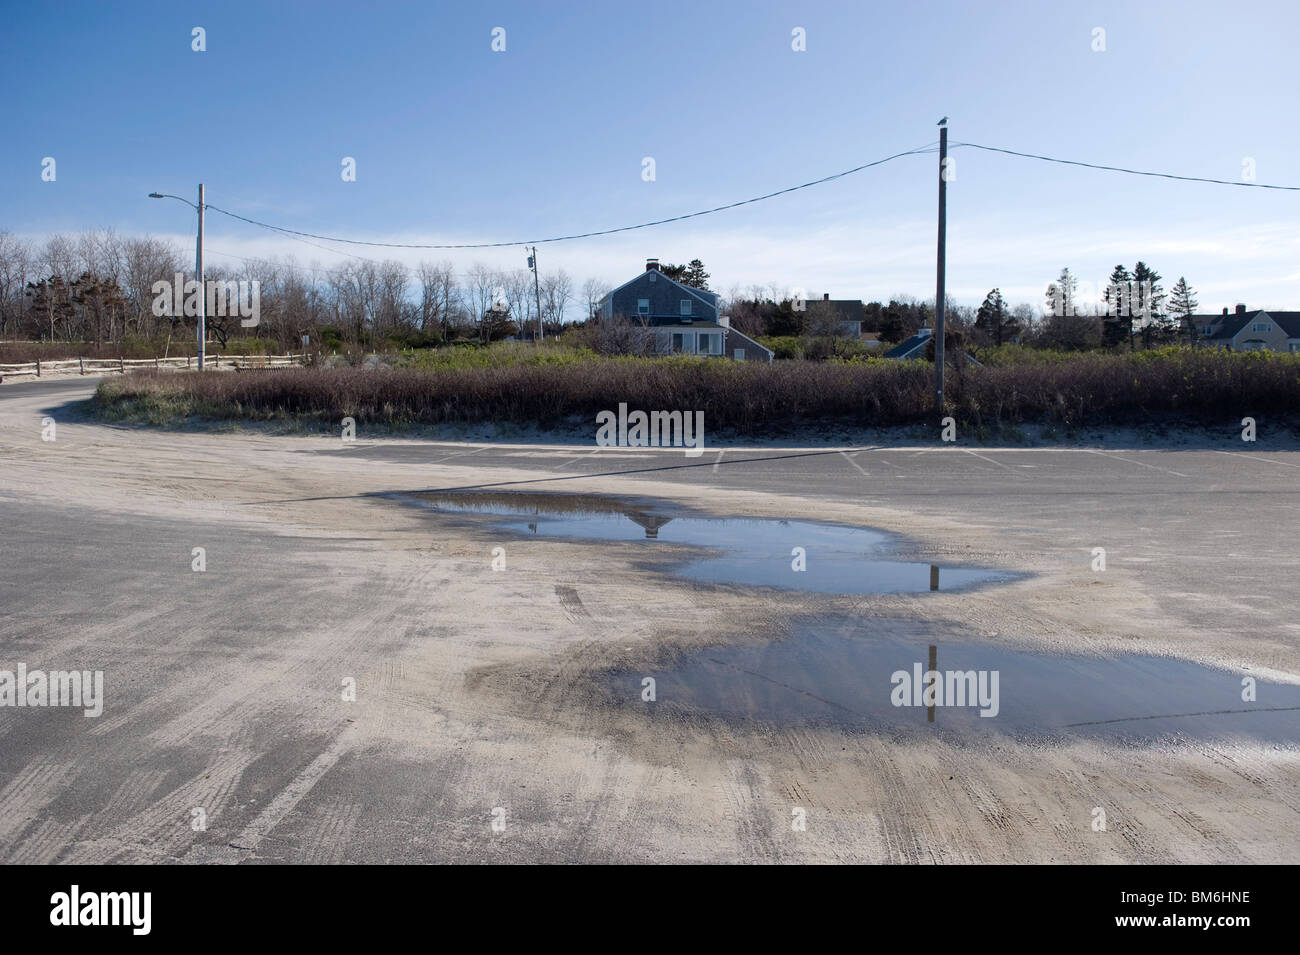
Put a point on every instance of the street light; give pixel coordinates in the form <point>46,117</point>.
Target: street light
<point>532,264</point>
<point>198,264</point>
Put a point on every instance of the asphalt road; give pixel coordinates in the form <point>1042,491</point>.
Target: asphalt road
<point>227,734</point>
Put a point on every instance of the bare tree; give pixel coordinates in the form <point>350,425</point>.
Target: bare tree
<point>520,297</point>
<point>437,296</point>
<point>623,336</point>
<point>15,269</point>
<point>557,292</point>
<point>483,291</point>
<point>593,290</point>
<point>145,261</point>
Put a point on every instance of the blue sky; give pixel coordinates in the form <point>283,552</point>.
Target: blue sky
<point>457,143</point>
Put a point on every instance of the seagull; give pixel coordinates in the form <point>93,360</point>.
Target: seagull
<point>942,122</point>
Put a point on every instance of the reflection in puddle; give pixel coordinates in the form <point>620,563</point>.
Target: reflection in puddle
<point>849,675</point>
<point>798,555</point>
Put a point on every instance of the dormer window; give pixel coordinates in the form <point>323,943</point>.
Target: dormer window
<point>686,306</point>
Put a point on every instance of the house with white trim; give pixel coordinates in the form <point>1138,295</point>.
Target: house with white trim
<point>684,320</point>
<point>1242,330</point>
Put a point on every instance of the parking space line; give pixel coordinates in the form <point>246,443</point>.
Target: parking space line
<point>998,463</point>
<point>854,463</point>
<point>1138,463</point>
<point>1243,454</point>
<point>459,453</point>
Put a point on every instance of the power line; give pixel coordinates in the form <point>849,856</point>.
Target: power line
<point>929,147</point>
<point>581,235</point>
<point>1131,172</point>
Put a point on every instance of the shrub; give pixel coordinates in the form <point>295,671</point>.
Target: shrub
<point>546,386</point>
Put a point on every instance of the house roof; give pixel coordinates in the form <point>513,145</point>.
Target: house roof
<point>733,334</point>
<point>697,324</point>
<point>1229,326</point>
<point>1289,321</point>
<point>708,298</point>
<point>905,349</point>
<point>845,309</point>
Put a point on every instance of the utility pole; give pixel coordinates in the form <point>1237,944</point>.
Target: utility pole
<point>939,292</point>
<point>203,292</point>
<point>198,267</point>
<point>537,290</point>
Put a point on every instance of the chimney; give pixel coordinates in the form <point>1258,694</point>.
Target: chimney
<point>652,265</point>
<point>1225,310</point>
<point>1241,308</point>
<point>826,296</point>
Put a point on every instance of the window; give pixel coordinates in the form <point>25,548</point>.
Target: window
<point>711,344</point>
<point>739,354</point>
<point>643,306</point>
<point>686,306</point>
<point>1295,346</point>
<point>1260,327</point>
<point>679,343</point>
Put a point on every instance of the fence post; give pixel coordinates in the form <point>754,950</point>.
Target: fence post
<point>81,365</point>
<point>38,368</point>
<point>121,364</point>
<point>155,362</point>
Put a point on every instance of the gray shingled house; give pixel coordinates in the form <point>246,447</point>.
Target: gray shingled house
<point>1243,330</point>
<point>684,320</point>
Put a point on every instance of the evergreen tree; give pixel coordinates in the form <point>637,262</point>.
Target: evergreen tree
<point>1063,292</point>
<point>1150,296</point>
<point>893,327</point>
<point>1182,302</point>
<point>691,274</point>
<point>1119,308</point>
<point>696,277</point>
<point>995,320</point>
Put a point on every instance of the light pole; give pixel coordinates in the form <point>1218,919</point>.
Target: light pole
<point>940,292</point>
<point>198,265</point>
<point>537,290</point>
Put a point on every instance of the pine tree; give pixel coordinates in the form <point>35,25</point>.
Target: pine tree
<point>1151,298</point>
<point>1119,308</point>
<point>1182,302</point>
<point>696,277</point>
<point>994,320</point>
<point>1061,294</point>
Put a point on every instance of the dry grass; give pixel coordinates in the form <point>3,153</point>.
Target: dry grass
<point>749,398</point>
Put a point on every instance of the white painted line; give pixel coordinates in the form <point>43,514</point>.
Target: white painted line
<point>1243,454</point>
<point>459,453</point>
<point>854,463</point>
<point>582,457</point>
<point>1131,461</point>
<point>991,461</point>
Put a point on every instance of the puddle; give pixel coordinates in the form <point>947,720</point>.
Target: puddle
<point>839,559</point>
<point>842,675</point>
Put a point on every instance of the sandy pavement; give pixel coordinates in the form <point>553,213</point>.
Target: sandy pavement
<point>478,693</point>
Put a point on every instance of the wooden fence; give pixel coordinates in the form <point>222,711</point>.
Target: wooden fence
<point>100,366</point>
